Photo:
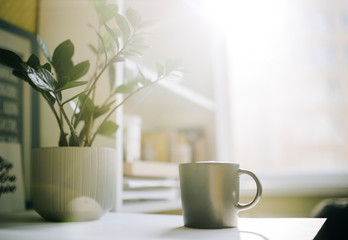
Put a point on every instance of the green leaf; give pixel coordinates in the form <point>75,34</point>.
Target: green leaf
<point>78,70</point>
<point>63,69</point>
<point>108,128</point>
<point>61,59</point>
<point>124,27</point>
<point>143,80</point>
<point>109,42</point>
<point>22,75</point>
<point>96,4</point>
<point>88,108</point>
<point>41,78</point>
<point>63,51</point>
<point>49,97</point>
<point>10,59</point>
<point>94,50</point>
<point>125,88</point>
<point>118,59</point>
<point>138,47</point>
<point>47,66</point>
<point>76,96</point>
<point>136,50</point>
<point>33,61</point>
<point>106,12</point>
<point>62,81</point>
<point>114,33</point>
<point>140,72</point>
<point>43,48</point>
<point>103,45</point>
<point>133,17</point>
<point>71,85</point>
<point>112,76</point>
<point>100,111</point>
<point>138,40</point>
<point>83,133</point>
<point>133,53</point>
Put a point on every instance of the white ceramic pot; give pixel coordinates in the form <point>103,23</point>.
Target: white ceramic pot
<point>73,183</point>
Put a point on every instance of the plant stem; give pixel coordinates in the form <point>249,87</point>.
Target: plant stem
<point>72,130</point>
<point>93,86</point>
<point>59,121</point>
<point>107,64</point>
<point>121,103</point>
<point>97,63</point>
<point>89,124</point>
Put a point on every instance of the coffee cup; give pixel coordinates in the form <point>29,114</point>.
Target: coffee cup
<point>210,194</point>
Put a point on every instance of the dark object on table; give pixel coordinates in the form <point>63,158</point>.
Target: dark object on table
<point>336,212</point>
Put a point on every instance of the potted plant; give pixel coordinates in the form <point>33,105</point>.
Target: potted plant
<point>76,181</point>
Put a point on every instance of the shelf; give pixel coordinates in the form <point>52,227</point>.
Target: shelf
<point>162,106</point>
<point>151,206</point>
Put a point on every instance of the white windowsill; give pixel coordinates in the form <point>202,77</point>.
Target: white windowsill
<point>310,184</point>
<point>274,185</point>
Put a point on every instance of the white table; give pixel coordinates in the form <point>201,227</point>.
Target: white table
<point>30,226</point>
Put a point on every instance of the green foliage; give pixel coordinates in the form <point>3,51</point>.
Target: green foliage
<point>52,79</point>
<point>108,128</point>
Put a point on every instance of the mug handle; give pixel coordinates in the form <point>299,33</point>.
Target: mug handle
<point>242,206</point>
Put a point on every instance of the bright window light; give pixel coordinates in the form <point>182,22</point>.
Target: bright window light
<point>288,79</point>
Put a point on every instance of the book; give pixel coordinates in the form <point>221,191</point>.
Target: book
<point>132,138</point>
<point>157,145</point>
<point>166,146</point>
<point>150,169</point>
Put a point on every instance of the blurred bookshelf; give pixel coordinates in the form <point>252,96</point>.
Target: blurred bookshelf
<point>170,122</point>
<point>150,169</point>
<point>173,124</point>
<point>150,187</point>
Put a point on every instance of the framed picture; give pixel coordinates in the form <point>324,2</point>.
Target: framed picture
<point>19,122</point>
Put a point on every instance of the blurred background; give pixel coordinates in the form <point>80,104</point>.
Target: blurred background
<point>266,86</point>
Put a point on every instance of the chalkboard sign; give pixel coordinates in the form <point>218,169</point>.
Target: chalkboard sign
<point>11,178</point>
<point>19,122</point>
<point>11,106</point>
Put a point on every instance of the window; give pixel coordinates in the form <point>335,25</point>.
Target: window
<point>288,86</point>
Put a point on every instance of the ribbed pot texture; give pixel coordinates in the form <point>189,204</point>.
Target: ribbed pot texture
<point>73,183</point>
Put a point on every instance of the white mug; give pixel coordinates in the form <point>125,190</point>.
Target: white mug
<point>210,194</point>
